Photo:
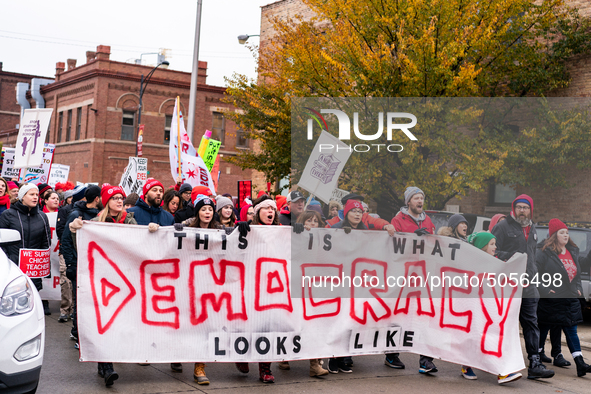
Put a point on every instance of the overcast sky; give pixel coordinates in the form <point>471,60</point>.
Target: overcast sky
<point>36,34</point>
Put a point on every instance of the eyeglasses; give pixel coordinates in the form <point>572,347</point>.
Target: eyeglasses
<point>120,198</point>
<point>358,211</point>
<point>522,208</point>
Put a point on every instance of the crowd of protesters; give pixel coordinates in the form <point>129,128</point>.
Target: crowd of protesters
<point>24,208</point>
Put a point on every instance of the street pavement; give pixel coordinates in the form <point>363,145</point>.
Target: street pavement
<point>62,373</point>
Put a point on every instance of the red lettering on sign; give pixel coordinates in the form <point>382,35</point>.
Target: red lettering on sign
<point>231,278</point>
<point>106,295</point>
<point>446,299</point>
<point>417,270</point>
<point>360,305</point>
<point>325,308</point>
<point>156,270</point>
<point>268,269</point>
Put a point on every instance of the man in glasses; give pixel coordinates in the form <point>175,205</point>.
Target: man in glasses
<point>517,234</point>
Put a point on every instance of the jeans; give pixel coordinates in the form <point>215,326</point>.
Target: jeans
<point>570,334</point>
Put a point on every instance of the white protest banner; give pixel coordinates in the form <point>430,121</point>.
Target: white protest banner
<point>327,160</point>
<point>31,135</point>
<point>203,295</point>
<point>338,194</point>
<point>8,170</point>
<point>51,285</point>
<point>135,175</point>
<point>41,173</point>
<point>59,174</point>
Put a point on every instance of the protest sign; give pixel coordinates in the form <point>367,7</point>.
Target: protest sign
<point>8,170</point>
<point>244,191</point>
<point>51,285</point>
<point>59,174</point>
<point>211,153</point>
<point>327,160</point>
<point>31,135</point>
<point>203,295</point>
<point>35,263</point>
<point>338,194</point>
<point>135,175</point>
<point>41,173</point>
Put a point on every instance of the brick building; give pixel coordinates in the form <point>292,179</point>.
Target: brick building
<point>572,204</point>
<point>94,122</point>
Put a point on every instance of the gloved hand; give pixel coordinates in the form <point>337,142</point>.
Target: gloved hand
<point>178,227</point>
<point>421,231</point>
<point>347,229</point>
<point>243,227</point>
<point>71,273</point>
<point>298,228</point>
<point>153,227</point>
<point>76,224</point>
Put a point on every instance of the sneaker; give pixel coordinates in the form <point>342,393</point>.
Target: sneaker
<point>73,337</point>
<point>468,373</point>
<point>348,361</point>
<point>427,366</point>
<point>560,361</point>
<point>544,358</point>
<point>76,345</point>
<point>265,374</point>
<point>393,361</point>
<point>176,367</point>
<point>344,368</point>
<point>62,318</point>
<point>332,365</point>
<point>501,379</point>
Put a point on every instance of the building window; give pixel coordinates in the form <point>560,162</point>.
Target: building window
<point>502,195</point>
<point>127,125</point>
<point>241,140</point>
<point>69,126</point>
<point>218,127</point>
<point>60,124</point>
<point>78,122</point>
<point>167,123</point>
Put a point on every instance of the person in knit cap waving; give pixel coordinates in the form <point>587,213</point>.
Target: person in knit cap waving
<point>559,303</point>
<point>517,234</point>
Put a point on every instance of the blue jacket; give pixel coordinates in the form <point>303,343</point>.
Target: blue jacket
<point>145,214</point>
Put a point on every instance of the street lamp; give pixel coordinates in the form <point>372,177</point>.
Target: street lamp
<point>244,37</point>
<point>142,91</point>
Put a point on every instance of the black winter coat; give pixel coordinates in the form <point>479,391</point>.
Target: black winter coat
<point>145,214</point>
<point>62,217</point>
<point>511,240</point>
<point>68,248</point>
<point>33,226</point>
<point>561,307</point>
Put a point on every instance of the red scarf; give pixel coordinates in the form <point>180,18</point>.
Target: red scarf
<point>123,216</point>
<point>47,210</point>
<point>5,200</point>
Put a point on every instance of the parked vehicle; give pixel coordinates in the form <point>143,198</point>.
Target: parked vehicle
<point>476,223</point>
<point>580,233</point>
<point>22,325</point>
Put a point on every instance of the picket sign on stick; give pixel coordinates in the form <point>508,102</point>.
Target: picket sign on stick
<point>203,295</point>
<point>178,132</point>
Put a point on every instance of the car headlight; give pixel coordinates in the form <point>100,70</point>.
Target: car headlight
<point>28,349</point>
<point>17,297</point>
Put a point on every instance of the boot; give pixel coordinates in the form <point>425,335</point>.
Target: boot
<point>544,358</point>
<point>176,367</point>
<point>243,367</point>
<point>199,374</point>
<point>284,365</point>
<point>265,374</point>
<point>316,369</point>
<point>537,369</point>
<point>582,368</point>
<point>559,361</point>
<point>106,371</point>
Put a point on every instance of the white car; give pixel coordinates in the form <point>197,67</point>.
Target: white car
<point>22,325</point>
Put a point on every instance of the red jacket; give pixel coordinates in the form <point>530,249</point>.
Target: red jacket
<point>369,221</point>
<point>406,224</point>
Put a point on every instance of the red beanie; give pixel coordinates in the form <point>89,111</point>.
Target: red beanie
<point>352,204</point>
<point>197,190</point>
<point>109,191</point>
<point>244,212</point>
<point>12,185</point>
<point>151,182</point>
<point>554,226</point>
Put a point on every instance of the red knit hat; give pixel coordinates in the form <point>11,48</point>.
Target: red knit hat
<point>352,204</point>
<point>12,185</point>
<point>150,183</point>
<point>197,190</point>
<point>109,191</point>
<point>554,226</point>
